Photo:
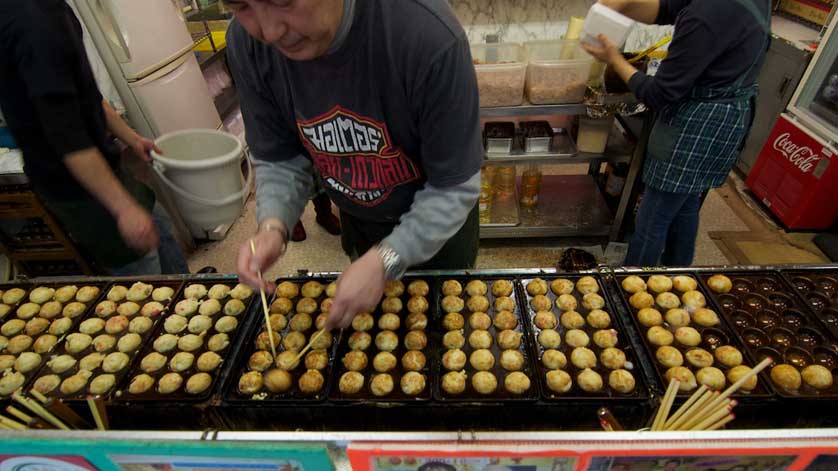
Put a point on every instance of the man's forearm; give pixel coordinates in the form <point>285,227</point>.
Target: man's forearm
<point>644,11</point>
<point>117,126</point>
<point>282,190</point>
<point>89,168</point>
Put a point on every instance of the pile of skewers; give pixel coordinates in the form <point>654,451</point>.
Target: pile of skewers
<point>47,413</point>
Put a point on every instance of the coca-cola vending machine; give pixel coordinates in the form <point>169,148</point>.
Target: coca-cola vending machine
<point>796,175</point>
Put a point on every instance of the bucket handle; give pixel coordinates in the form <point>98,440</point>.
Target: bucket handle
<point>159,169</point>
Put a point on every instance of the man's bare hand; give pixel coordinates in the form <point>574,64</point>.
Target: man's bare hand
<point>359,289</point>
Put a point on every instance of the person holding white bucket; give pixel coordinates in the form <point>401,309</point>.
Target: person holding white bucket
<point>381,97</point>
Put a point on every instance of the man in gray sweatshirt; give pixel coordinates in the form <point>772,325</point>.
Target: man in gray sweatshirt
<point>381,97</point>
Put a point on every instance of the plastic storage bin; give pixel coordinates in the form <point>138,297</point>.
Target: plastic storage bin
<point>557,72</point>
<point>501,70</point>
<point>593,134</point>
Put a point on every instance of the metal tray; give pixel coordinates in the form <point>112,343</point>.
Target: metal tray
<point>817,288</point>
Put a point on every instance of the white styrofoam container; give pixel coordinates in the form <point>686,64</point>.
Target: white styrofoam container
<point>603,20</point>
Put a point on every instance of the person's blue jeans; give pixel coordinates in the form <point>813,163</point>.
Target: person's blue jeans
<point>167,259</point>
<point>665,230</point>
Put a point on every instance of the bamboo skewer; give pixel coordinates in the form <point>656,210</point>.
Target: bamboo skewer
<point>264,304</point>
<point>60,410</point>
<point>712,419</point>
<point>18,414</point>
<point>10,424</point>
<point>666,404</point>
<point>696,395</point>
<point>37,409</point>
<point>97,409</point>
<point>722,422</point>
<point>310,343</point>
<point>688,414</point>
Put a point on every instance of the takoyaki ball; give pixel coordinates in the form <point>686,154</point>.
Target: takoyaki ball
<point>287,360</point>
<point>13,296</point>
<point>565,302</point>
<point>684,283</point>
<point>480,321</point>
<point>44,343</point>
<point>294,341</point>
<point>569,320</point>
<point>35,326</point>
<point>413,360</point>
<point>277,381</point>
<point>140,384</point>
<point>61,363</point>
<point>351,382</point>
<point>559,381</point>
<point>506,320</point>
<point>482,360</point>
<point>105,308</point>
<point>577,338</point>
<point>416,340</point>
<point>693,300</point>
<point>509,339</point>
<point>75,383</point>
<point>453,339</point>
<point>386,341</point>
<point>175,324</point>
<point>362,322</point>
<point>50,310</point>
<point>589,381</point>
<point>190,342</point>
<point>18,343</point>
<point>684,376</point>
<point>476,288</point>
<point>633,284</point>
<point>11,382</point>
<point>599,319</point>
<point>677,317</point>
<point>649,317</point>
<point>416,321</point>
<point>28,310</point>
<point>46,384</point>
<point>418,288</point>
<point>320,321</point>
<point>287,290</point>
<point>512,360</point>
<point>359,341</point>
<point>208,361</point>
<point>561,286</point>
<point>705,317</point>
<point>226,324</point>
<point>582,358</point>
<point>699,358</point>
<point>91,326</point>
<point>3,343</point>
<point>169,383</point>
<point>659,284</point>
<point>91,361</point>
<point>140,291</point>
<point>312,289</point>
<point>454,382</point>
<point>621,381</point>
<point>195,291</point>
<point>545,320</point>
<point>393,305</point>
<point>817,376</point>
<point>452,288</point>
<point>162,294</point>
<point>259,361</point>
<point>412,383</point>
<point>384,362</point>
<point>502,288</point>
<point>279,306</point>
<point>668,301</point>
<point>241,292</point>
<point>536,287</point>
<point>27,361</point>
<point>317,359</point>
<point>516,382</point>
<point>76,342</point>
<point>198,383</point>
<point>306,306</point>
<point>389,322</point>
<point>549,338</point>
<point>210,307</point>
<point>102,384</point>
<point>73,310</point>
<point>454,360</point>
<point>505,303</point>
<point>381,384</point>
<point>354,360</point>
<point>302,322</point>
<point>592,301</point>
<point>452,304</point>
<point>5,309</point>
<point>786,376</point>
<point>613,358</point>
<point>484,382</point>
<point>393,288</point>
<point>737,372</point>
<point>7,361</point>
<point>250,382</point>
<point>128,309</point>
<point>114,362</point>
<point>186,307</point>
<point>41,294</point>
<point>477,304</point>
<point>453,321</point>
<point>659,336</point>
<point>687,336</point>
<point>263,341</point>
<point>321,341</point>
<point>104,343</point>
<point>326,305</point>
<point>720,284</point>
<point>152,309</point>
<point>199,324</point>
<point>60,326</point>
<point>711,377</point>
<point>728,356</point>
<point>587,285</point>
<point>219,342</point>
<point>277,322</point>
<point>641,300</point>
<point>553,359</point>
<point>153,362</point>
<point>417,304</point>
<point>669,356</point>
<point>218,292</point>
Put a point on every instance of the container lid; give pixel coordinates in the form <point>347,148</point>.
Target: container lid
<point>497,54</point>
<point>557,52</point>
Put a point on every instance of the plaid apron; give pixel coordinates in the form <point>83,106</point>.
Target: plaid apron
<point>695,142</point>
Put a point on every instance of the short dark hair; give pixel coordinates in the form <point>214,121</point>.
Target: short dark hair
<point>430,465</point>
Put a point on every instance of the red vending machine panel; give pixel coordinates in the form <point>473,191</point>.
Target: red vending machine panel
<point>796,178</point>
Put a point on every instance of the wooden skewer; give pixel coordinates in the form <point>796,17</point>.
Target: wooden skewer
<point>722,422</point>
<point>700,413</point>
<point>310,343</point>
<point>666,404</point>
<point>712,419</point>
<point>60,410</point>
<point>684,407</point>
<point>688,414</point>
<point>5,427</point>
<point>12,424</point>
<point>18,414</point>
<point>97,407</point>
<point>39,411</point>
<point>264,304</point>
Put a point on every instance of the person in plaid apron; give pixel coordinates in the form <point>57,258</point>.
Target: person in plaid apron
<point>704,96</point>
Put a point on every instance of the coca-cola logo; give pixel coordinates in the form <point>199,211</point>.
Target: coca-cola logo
<point>800,156</point>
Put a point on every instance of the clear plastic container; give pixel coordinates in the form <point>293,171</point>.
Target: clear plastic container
<point>593,134</point>
<point>501,70</point>
<point>557,72</point>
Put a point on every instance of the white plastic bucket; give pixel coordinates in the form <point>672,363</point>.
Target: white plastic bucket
<point>202,167</point>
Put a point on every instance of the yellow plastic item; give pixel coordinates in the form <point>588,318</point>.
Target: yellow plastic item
<point>218,37</point>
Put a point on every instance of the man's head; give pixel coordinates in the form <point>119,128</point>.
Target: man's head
<point>300,29</point>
